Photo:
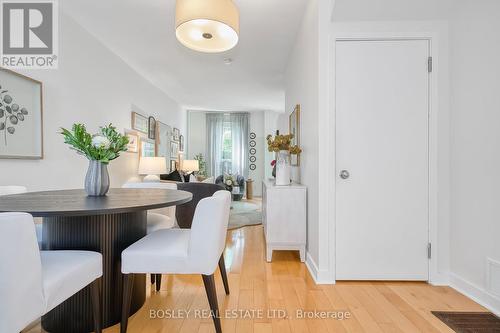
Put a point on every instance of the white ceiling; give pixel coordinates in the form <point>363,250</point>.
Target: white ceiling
<point>398,10</point>
<point>143,34</point>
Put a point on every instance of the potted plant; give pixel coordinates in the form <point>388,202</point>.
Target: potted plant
<point>100,149</point>
<point>282,145</point>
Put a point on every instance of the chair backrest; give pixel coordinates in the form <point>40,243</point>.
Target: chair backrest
<point>209,229</point>
<point>169,211</point>
<point>12,189</point>
<point>21,291</point>
<point>185,212</point>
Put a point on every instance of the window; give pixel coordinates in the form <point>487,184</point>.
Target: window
<point>227,148</point>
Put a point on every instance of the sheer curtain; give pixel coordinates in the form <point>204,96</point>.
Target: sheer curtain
<point>215,133</point>
<point>239,138</point>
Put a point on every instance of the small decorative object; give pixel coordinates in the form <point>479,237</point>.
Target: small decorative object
<point>151,128</point>
<point>273,164</point>
<point>202,165</point>
<point>133,141</point>
<point>282,144</point>
<point>173,165</point>
<point>253,159</point>
<point>152,167</point>
<point>253,167</point>
<point>20,116</point>
<point>176,134</point>
<point>229,182</point>
<point>139,122</point>
<point>253,151</point>
<point>181,142</point>
<point>100,149</point>
<point>294,127</point>
<point>174,149</point>
<point>253,143</point>
<point>253,136</point>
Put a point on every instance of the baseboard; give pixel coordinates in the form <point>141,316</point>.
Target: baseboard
<point>476,293</point>
<point>319,276</point>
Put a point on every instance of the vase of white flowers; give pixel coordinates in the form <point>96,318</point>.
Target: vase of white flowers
<point>100,149</point>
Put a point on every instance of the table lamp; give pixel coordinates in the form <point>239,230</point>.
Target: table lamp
<point>152,167</point>
<point>189,166</point>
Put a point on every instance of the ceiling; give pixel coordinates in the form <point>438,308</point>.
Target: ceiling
<point>144,36</point>
<point>398,10</point>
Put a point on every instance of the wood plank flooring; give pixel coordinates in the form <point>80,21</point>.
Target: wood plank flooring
<point>265,298</point>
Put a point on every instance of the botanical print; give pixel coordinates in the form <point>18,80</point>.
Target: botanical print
<point>20,116</point>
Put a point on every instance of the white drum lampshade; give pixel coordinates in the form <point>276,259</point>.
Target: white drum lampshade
<point>152,167</point>
<point>207,25</point>
<point>190,166</point>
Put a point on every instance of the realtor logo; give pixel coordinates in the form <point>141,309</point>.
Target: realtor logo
<point>29,34</point>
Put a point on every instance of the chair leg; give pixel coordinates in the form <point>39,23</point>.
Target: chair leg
<point>128,283</point>
<point>152,278</point>
<point>222,267</point>
<point>209,282</point>
<point>158,281</point>
<point>95,296</point>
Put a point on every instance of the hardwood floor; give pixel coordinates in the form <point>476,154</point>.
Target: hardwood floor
<point>285,286</point>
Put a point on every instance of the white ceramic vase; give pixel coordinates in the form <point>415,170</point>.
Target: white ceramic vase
<point>283,168</point>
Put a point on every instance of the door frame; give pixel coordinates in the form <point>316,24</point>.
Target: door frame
<point>435,276</point>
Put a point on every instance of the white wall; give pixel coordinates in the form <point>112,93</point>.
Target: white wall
<point>475,148</point>
<point>95,87</point>
<point>301,79</point>
<point>197,140</point>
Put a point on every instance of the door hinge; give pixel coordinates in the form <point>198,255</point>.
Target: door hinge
<point>429,64</point>
<point>429,250</point>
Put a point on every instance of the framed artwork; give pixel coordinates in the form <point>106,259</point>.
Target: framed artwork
<point>147,147</point>
<point>294,128</point>
<point>163,138</point>
<point>139,122</point>
<point>21,116</point>
<point>152,128</point>
<point>181,142</point>
<point>176,134</point>
<point>133,141</point>
<point>174,149</point>
<point>173,165</point>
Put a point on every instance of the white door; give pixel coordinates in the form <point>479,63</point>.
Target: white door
<point>382,105</point>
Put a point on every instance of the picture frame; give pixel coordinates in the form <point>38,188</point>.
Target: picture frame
<point>174,149</point>
<point>173,165</point>
<point>151,128</point>
<point>181,142</point>
<point>163,138</point>
<point>139,122</point>
<point>21,116</point>
<point>176,134</point>
<point>147,148</point>
<point>133,141</point>
<point>294,128</point>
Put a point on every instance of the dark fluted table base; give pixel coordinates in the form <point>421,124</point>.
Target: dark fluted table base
<point>108,234</point>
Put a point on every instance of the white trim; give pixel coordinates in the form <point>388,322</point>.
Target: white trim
<point>435,277</point>
<point>319,277</point>
<point>476,293</point>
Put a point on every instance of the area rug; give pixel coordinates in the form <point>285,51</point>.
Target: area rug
<point>244,213</point>
<point>470,322</point>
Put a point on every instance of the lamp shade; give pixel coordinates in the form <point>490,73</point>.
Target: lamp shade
<point>190,165</point>
<point>207,25</point>
<point>152,166</point>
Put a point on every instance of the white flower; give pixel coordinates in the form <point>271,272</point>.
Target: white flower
<point>100,141</point>
<point>229,182</point>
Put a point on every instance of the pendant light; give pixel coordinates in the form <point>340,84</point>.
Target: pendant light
<point>207,25</point>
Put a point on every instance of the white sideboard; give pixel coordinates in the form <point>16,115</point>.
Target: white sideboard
<point>284,217</point>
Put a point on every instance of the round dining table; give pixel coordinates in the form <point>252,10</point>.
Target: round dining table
<point>108,224</point>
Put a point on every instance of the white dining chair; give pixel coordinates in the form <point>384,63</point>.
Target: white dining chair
<point>163,218</point>
<point>49,277</point>
<point>15,189</point>
<point>182,251</point>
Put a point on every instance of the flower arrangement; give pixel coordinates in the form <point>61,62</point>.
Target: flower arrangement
<point>282,142</point>
<point>202,165</point>
<point>104,146</point>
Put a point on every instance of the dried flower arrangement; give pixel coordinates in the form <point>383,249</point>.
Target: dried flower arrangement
<point>282,142</point>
